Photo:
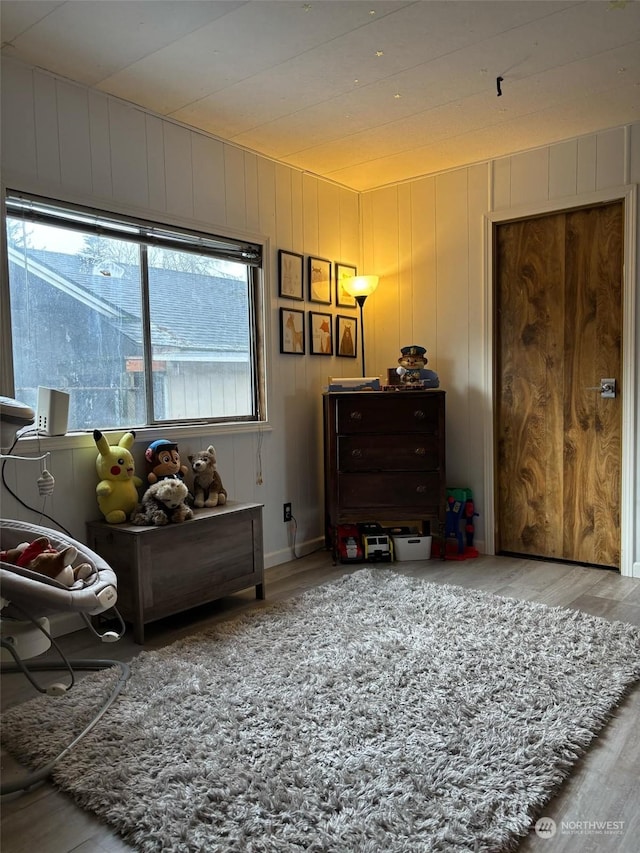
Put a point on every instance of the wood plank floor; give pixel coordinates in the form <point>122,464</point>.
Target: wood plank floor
<point>603,787</point>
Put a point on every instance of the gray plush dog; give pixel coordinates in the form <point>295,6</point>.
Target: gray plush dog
<point>207,483</point>
<point>163,502</point>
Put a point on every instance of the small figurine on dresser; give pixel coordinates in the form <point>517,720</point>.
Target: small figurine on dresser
<point>412,370</point>
<point>163,461</point>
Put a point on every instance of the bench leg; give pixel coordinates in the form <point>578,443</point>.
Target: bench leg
<point>138,631</point>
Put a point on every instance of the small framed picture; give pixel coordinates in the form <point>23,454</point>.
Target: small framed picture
<point>343,298</point>
<point>319,280</point>
<point>320,333</point>
<point>347,336</point>
<point>292,331</point>
<point>290,274</point>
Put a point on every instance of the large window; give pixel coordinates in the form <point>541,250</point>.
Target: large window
<point>142,324</point>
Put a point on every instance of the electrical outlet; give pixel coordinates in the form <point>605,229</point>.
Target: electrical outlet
<point>286,512</point>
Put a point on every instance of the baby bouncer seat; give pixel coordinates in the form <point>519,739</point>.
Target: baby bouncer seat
<point>27,599</point>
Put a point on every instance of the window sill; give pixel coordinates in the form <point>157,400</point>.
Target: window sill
<point>145,435</point>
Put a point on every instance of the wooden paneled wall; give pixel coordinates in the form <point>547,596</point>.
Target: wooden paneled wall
<point>66,141</point>
<point>425,239</point>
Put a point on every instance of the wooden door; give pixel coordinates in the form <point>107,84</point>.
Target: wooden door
<point>558,297</point>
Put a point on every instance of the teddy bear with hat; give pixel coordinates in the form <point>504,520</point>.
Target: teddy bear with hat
<point>412,371</point>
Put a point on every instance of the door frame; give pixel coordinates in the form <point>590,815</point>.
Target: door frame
<point>627,194</point>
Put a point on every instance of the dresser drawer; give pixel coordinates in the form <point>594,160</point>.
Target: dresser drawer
<point>414,490</point>
<point>384,411</point>
<point>392,452</point>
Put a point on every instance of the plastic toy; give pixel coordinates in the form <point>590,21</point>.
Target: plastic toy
<point>378,547</point>
<point>456,499</point>
<point>377,544</point>
<point>349,546</point>
<point>459,528</point>
<point>469,514</point>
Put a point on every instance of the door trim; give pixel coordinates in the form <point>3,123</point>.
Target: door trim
<point>629,461</point>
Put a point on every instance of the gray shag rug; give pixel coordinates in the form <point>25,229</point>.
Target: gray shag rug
<point>376,713</point>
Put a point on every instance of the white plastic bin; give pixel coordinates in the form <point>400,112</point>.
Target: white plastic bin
<point>409,547</point>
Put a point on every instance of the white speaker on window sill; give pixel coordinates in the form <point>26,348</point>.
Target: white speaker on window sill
<point>52,413</point>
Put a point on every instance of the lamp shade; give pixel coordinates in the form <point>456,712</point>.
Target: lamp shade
<point>360,285</point>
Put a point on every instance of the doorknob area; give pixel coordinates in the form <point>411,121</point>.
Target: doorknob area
<point>607,388</point>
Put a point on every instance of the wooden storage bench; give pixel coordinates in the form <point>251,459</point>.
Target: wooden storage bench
<point>166,570</point>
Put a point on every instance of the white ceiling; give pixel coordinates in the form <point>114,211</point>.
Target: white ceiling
<point>363,93</point>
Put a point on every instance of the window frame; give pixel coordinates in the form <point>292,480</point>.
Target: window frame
<point>88,219</point>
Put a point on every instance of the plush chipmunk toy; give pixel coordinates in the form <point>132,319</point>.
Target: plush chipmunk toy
<point>39,556</point>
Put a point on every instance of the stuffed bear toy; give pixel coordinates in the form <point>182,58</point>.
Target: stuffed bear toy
<point>117,491</point>
<point>163,502</point>
<point>39,556</point>
<point>207,483</point>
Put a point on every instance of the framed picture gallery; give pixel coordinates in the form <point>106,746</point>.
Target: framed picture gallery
<point>292,331</point>
<point>346,336</point>
<point>290,275</point>
<point>319,279</point>
<point>320,333</point>
<point>344,299</point>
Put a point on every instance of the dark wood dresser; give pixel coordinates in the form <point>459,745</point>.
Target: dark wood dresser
<point>384,458</point>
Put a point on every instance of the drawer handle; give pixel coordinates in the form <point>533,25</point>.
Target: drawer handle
<point>356,416</point>
<point>420,451</point>
<point>419,415</point>
<point>357,453</point>
<point>421,489</point>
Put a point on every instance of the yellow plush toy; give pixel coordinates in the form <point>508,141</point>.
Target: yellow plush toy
<point>117,490</point>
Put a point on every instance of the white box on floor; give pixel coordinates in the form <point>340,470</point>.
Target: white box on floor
<point>409,547</point>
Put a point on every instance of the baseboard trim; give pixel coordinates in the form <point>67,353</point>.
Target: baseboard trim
<point>285,555</point>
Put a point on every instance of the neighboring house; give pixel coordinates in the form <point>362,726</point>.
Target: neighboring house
<point>83,321</point>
